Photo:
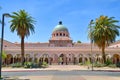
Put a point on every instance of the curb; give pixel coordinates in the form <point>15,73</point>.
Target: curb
<point>108,70</point>
<point>57,70</point>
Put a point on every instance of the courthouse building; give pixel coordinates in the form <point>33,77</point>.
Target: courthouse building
<point>60,48</point>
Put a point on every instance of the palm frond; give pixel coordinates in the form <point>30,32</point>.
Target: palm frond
<point>22,22</point>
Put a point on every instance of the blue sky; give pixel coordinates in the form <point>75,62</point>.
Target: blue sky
<point>75,15</point>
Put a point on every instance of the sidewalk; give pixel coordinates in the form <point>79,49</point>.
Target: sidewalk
<point>70,77</point>
<point>60,68</point>
<point>51,77</point>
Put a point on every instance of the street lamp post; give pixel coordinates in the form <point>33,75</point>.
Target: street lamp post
<point>91,22</point>
<point>2,36</point>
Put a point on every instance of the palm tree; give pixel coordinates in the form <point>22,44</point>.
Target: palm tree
<point>23,24</point>
<point>102,32</point>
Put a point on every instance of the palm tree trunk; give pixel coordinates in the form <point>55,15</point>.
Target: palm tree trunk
<point>103,55</point>
<point>22,51</point>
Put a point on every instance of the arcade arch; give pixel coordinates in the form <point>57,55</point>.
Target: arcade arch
<point>116,58</point>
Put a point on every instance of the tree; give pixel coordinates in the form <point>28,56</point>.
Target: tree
<point>102,32</point>
<point>4,55</point>
<point>78,41</point>
<point>23,24</point>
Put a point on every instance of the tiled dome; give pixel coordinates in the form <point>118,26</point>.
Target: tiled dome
<point>60,27</point>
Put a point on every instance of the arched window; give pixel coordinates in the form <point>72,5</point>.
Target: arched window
<point>63,34</point>
<point>60,34</point>
<point>57,34</point>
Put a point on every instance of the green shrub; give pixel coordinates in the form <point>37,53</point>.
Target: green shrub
<point>97,64</point>
<point>28,65</point>
<point>80,63</point>
<point>118,64</point>
<point>112,65</point>
<point>44,65</point>
<point>35,65</point>
<point>16,65</point>
<point>31,65</point>
<point>108,62</point>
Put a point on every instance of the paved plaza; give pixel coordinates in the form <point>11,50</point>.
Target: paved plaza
<point>63,72</point>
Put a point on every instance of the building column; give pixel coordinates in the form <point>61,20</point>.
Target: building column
<point>83,60</point>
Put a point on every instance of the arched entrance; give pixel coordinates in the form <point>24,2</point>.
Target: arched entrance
<point>35,58</point>
<point>18,57</point>
<point>9,59</point>
<point>61,59</point>
<point>27,57</point>
<point>116,58</point>
<point>108,57</point>
<point>71,59</point>
<point>44,58</point>
<point>80,57</point>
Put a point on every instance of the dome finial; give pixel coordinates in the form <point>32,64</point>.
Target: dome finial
<point>60,22</point>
